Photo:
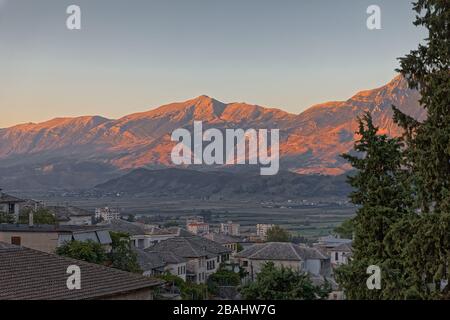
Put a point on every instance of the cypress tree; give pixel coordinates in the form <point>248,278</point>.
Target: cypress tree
<point>425,249</point>
<point>382,196</point>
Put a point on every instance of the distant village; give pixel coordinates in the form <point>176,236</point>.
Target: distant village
<point>192,252</point>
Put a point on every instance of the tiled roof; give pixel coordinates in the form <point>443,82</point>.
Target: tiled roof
<point>281,251</point>
<point>190,247</point>
<point>32,275</point>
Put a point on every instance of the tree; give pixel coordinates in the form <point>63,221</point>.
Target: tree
<point>274,283</point>
<point>41,216</point>
<point>188,290</point>
<point>424,239</point>
<point>6,217</point>
<point>122,256</point>
<point>170,224</point>
<point>223,277</point>
<point>382,195</point>
<point>345,229</point>
<point>88,251</point>
<point>278,234</point>
<point>131,218</point>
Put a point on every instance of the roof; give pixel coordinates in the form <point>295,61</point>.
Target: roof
<point>344,247</point>
<point>331,241</point>
<point>65,233</point>
<point>5,227</point>
<point>149,260</point>
<point>62,212</point>
<point>222,238</point>
<point>6,198</point>
<point>33,275</point>
<point>119,225</point>
<point>190,247</point>
<point>281,251</point>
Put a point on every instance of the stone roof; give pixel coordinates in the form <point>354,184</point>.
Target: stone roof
<point>62,212</point>
<point>28,274</point>
<point>344,247</point>
<point>190,247</point>
<point>281,251</point>
<point>149,260</point>
<point>119,225</point>
<point>6,198</point>
<point>222,238</point>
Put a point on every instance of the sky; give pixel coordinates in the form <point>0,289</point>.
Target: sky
<point>135,55</point>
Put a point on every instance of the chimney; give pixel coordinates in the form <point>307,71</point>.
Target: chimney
<point>30,219</point>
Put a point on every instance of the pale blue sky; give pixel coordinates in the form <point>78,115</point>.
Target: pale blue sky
<point>134,55</point>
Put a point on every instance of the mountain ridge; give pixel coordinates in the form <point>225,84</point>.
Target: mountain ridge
<point>310,142</point>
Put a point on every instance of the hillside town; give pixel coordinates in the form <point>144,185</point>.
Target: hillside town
<point>169,258</point>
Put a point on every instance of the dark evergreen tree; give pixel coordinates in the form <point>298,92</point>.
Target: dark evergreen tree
<point>383,199</point>
<point>425,248</point>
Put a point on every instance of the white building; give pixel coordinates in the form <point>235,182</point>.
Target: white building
<point>341,254</point>
<point>198,228</point>
<point>296,257</point>
<point>203,257</point>
<point>107,213</point>
<point>261,229</point>
<point>230,228</point>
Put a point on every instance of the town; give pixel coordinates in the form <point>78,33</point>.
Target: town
<point>198,260</point>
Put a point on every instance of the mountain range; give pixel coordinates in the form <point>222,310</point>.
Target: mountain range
<point>84,151</point>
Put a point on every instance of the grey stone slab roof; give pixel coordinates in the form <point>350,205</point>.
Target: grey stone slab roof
<point>190,247</point>
<point>6,198</point>
<point>281,251</point>
<point>63,212</point>
<point>28,274</point>
<point>222,238</point>
<point>150,260</point>
<point>133,229</point>
<point>344,247</point>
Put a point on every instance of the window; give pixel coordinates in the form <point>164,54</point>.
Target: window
<point>336,256</point>
<point>245,263</point>
<point>16,241</point>
<point>11,208</point>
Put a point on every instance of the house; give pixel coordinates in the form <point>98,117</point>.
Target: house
<point>69,215</point>
<point>341,254</point>
<point>47,238</point>
<point>338,249</point>
<point>194,219</point>
<point>142,236</point>
<point>297,257</point>
<point>107,214</point>
<point>230,228</point>
<point>198,228</point>
<point>261,230</point>
<point>227,241</point>
<point>203,256</point>
<point>10,205</point>
<point>28,274</point>
<point>156,263</point>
